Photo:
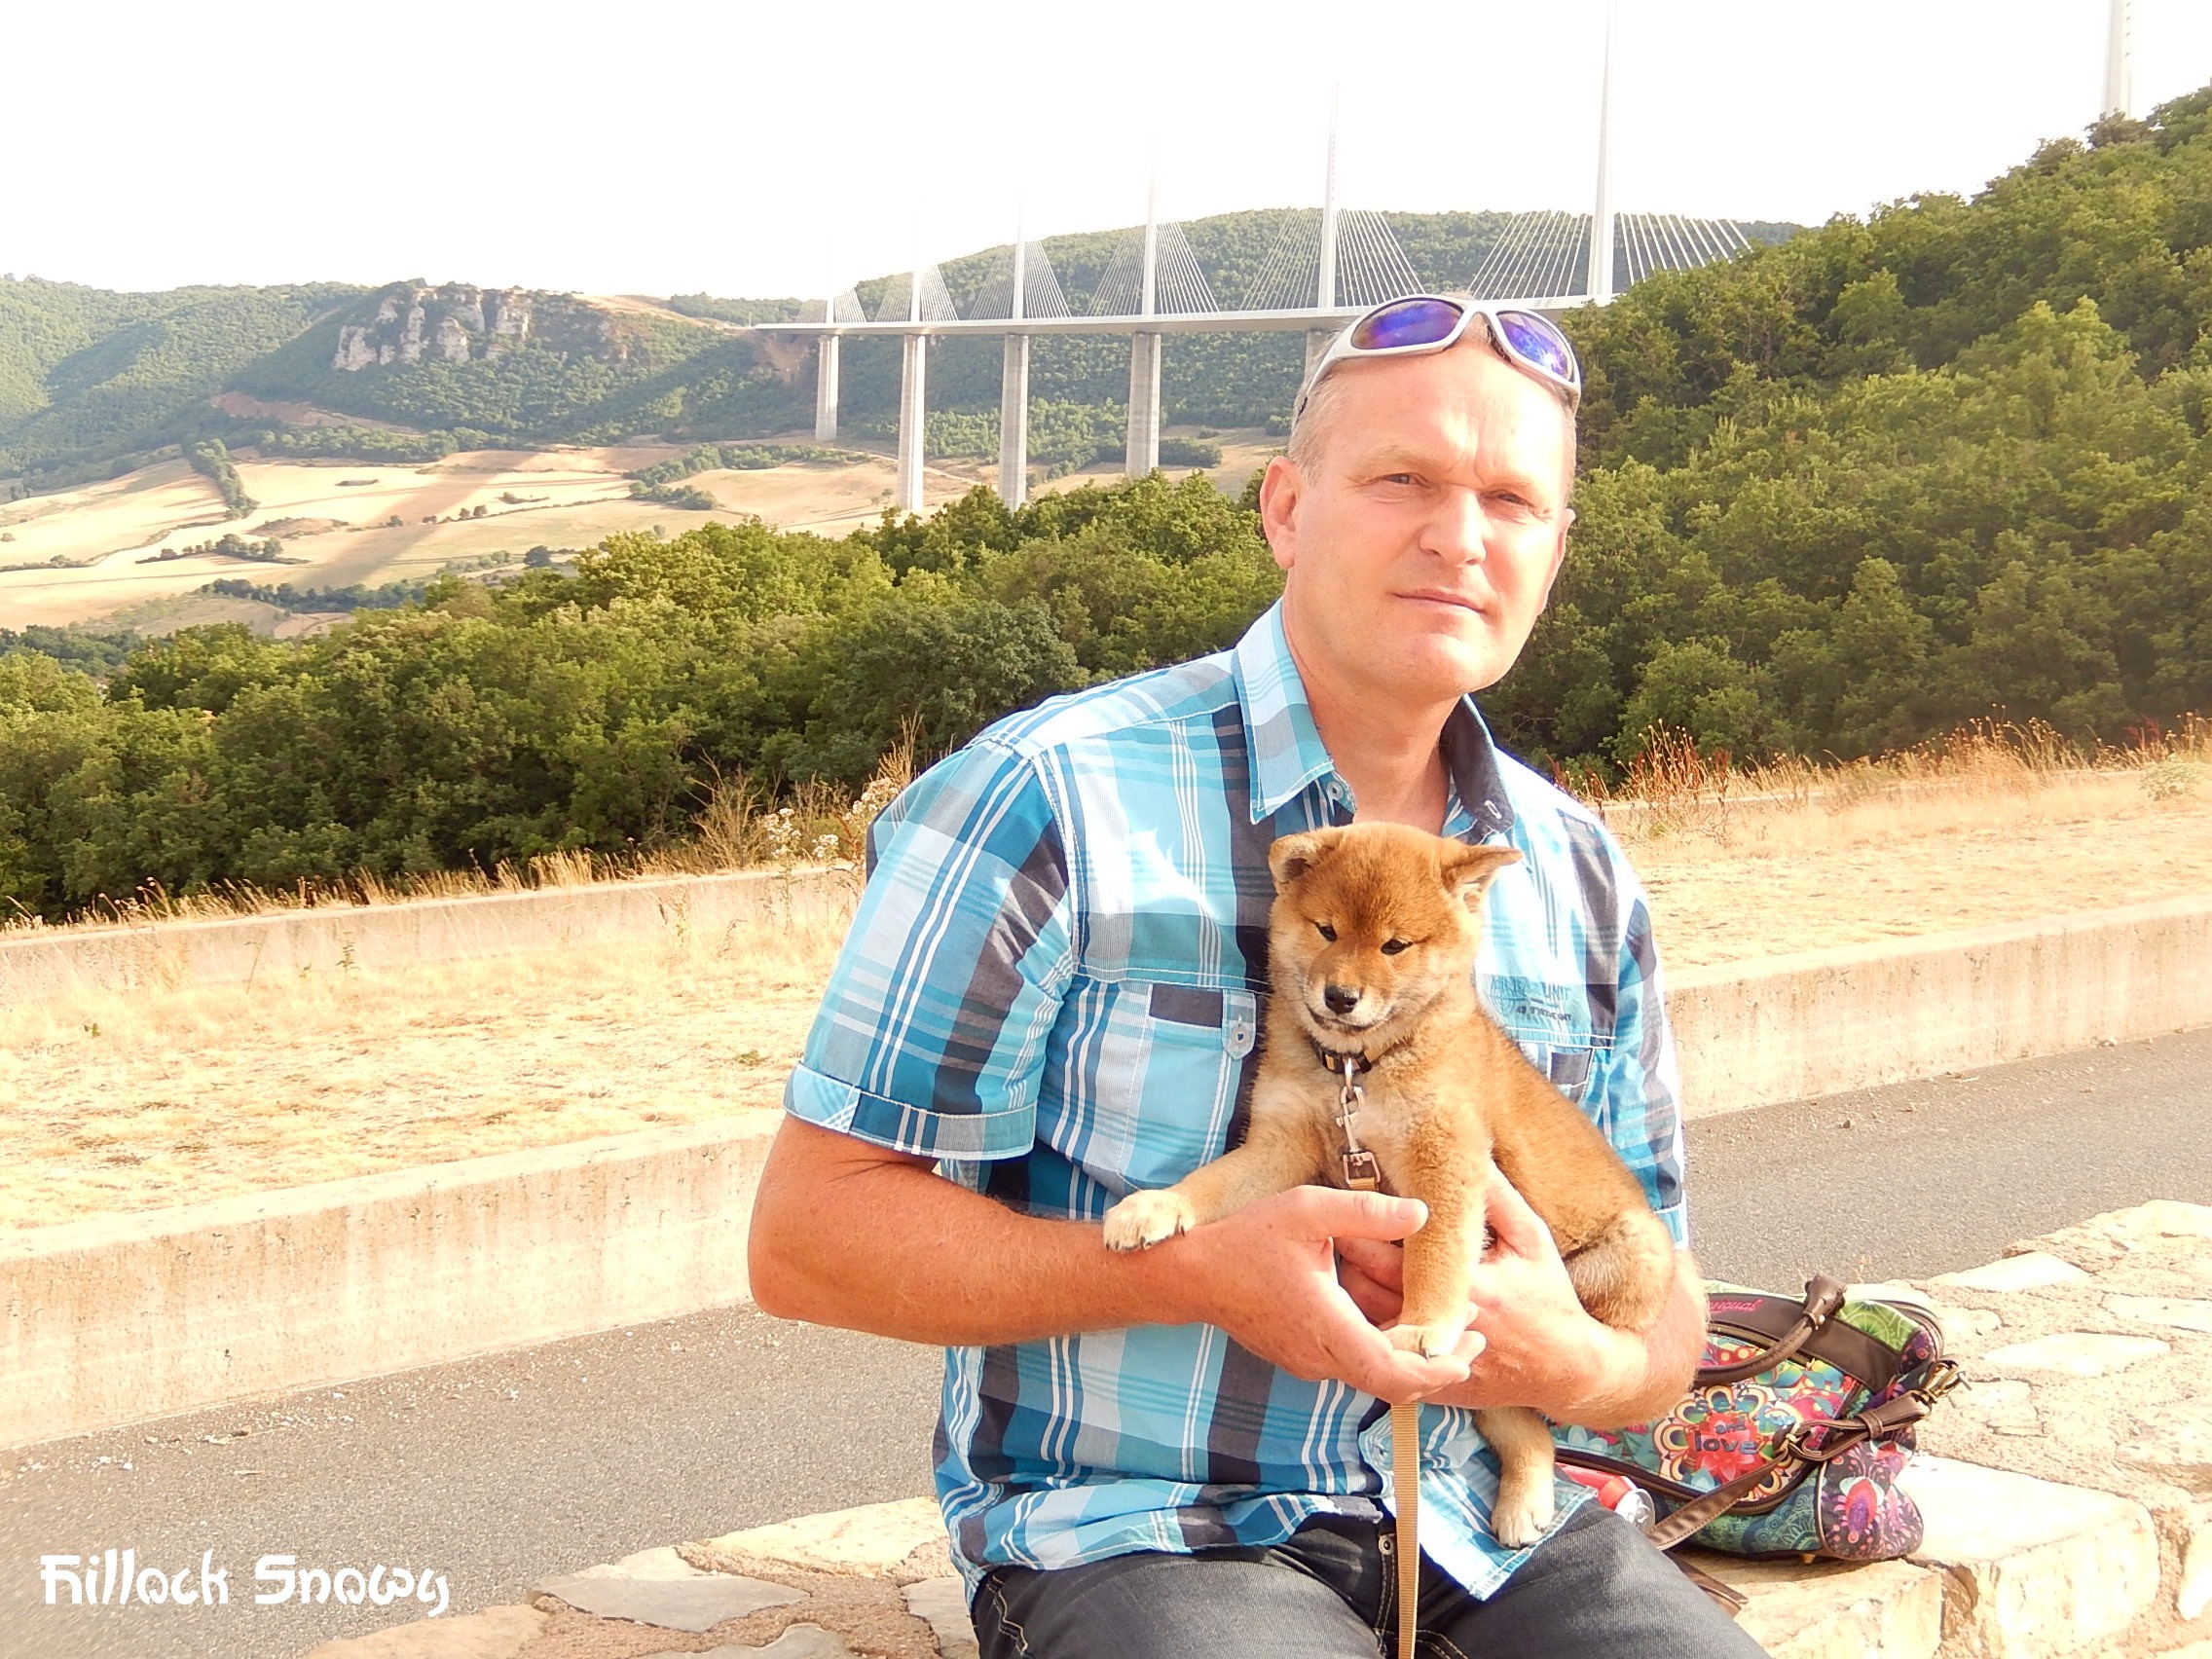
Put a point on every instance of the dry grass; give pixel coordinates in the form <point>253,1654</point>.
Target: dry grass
<point>1996,823</point>
<point>118,1102</point>
<point>114,1102</point>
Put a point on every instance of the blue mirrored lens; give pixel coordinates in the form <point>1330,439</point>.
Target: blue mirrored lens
<point>1535,341</point>
<point>1411,323</point>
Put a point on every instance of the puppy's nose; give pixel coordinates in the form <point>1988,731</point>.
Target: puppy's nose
<point>1342,999</point>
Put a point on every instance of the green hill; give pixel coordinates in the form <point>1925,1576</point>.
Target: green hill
<point>94,383</point>
<point>89,377</point>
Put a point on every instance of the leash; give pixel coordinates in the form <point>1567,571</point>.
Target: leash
<point>1363,1174</point>
<point>1405,1493</point>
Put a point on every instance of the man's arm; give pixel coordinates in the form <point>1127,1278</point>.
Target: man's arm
<point>847,1232</point>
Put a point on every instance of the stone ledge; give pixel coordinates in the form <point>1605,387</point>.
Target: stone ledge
<point>2059,1523</point>
<point>2137,1428</point>
<point>2014,1569</point>
<point>2034,1569</point>
<point>1888,1609</point>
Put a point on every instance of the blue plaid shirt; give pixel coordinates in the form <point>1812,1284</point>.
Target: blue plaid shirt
<point>1054,985</point>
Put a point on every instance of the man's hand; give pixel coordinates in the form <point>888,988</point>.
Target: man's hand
<point>847,1233</point>
<point>1541,1349</point>
<point>1267,1276</point>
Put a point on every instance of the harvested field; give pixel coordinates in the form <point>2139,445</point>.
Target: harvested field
<point>335,521</point>
<point>129,1102</point>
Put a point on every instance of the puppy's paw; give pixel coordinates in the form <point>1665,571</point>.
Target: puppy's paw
<point>1143,1219</point>
<point>1429,1341</point>
<point>1523,1512</point>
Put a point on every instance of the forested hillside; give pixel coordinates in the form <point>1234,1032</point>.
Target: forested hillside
<point>1843,493</point>
<point>1838,495</point>
<point>92,384</point>
<point>87,377</point>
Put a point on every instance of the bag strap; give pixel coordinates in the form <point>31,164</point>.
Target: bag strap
<point>1693,1516</point>
<point>1824,1295</point>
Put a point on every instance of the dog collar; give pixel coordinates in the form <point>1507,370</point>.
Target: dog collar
<point>1332,1059</point>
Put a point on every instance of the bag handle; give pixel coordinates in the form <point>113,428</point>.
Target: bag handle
<point>1824,1295</point>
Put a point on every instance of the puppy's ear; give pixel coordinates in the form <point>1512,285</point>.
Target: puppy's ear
<point>1467,871</point>
<point>1291,857</point>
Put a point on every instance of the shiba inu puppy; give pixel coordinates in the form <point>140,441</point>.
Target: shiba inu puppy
<point>1372,945</point>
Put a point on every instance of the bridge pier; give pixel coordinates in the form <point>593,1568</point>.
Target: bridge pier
<point>826,390</point>
<point>1142,452</point>
<point>913,367</point>
<point>1013,421</point>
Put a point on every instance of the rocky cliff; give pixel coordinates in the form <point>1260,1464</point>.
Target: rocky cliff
<point>411,323</point>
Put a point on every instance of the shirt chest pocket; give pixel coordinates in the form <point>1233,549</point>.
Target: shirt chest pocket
<point>1153,1070</point>
<point>1551,1023</point>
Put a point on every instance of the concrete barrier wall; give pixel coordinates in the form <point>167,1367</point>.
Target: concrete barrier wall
<point>1789,1027</point>
<point>38,965</point>
<point>120,1319</point>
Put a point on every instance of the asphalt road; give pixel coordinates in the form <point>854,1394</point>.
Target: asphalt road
<point>502,1471</point>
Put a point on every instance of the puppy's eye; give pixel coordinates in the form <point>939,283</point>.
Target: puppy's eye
<point>1391,947</point>
<point>1326,932</point>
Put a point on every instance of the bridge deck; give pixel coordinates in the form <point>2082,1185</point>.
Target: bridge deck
<point>1181,322</point>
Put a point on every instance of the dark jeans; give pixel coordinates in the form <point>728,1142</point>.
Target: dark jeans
<point>1595,1588</point>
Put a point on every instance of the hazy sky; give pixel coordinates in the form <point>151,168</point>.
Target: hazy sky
<point>671,147</point>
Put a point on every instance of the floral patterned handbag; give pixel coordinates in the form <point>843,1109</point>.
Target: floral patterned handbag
<point>1794,1432</point>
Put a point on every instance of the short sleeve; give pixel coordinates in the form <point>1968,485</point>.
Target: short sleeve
<point>931,1032</point>
<point>1642,1086</point>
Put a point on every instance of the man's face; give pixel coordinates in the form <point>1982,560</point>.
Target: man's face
<point>1422,533</point>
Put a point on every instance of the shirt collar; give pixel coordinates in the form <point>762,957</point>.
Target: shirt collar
<point>1286,748</point>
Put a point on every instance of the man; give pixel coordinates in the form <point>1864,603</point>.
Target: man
<point>1051,991</point>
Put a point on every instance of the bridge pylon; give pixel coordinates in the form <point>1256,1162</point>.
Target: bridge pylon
<point>2120,91</point>
<point>1140,452</point>
<point>1317,340</point>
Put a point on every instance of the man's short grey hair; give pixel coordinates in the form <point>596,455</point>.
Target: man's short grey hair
<point>1316,400</point>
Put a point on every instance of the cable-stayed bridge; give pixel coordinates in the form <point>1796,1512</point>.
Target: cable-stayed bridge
<point>1326,266</point>
<point>1152,285</point>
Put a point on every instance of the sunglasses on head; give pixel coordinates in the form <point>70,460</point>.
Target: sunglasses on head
<point>1420,323</point>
